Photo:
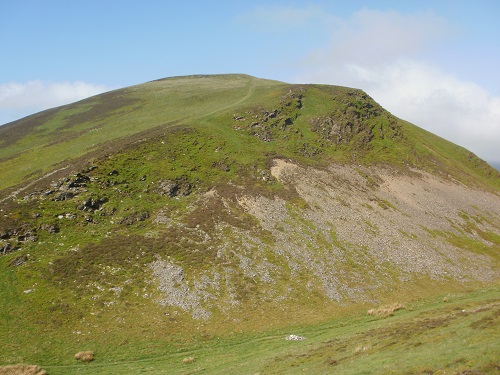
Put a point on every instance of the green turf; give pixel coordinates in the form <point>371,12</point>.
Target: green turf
<point>448,334</point>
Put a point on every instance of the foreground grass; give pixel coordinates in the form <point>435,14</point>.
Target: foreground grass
<point>451,334</point>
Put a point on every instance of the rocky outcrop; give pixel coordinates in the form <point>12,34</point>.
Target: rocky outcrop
<point>172,188</point>
<point>268,124</point>
<point>351,121</point>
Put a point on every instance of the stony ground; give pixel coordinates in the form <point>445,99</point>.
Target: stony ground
<point>353,233</point>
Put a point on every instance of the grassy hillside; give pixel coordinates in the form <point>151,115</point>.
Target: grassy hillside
<point>33,145</point>
<point>362,130</point>
<point>193,215</point>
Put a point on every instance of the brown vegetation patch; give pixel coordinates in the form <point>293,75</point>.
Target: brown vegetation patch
<point>22,370</point>
<point>14,131</point>
<point>490,321</point>
<point>85,356</point>
<point>387,310</point>
<point>106,103</point>
<point>188,360</point>
<point>85,266</point>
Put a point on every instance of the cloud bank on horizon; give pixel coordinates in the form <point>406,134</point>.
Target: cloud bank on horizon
<point>399,57</point>
<point>20,99</point>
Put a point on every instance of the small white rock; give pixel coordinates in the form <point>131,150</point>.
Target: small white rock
<point>294,338</point>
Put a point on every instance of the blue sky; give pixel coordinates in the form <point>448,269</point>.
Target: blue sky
<point>434,63</point>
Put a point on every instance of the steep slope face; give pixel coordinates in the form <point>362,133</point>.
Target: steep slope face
<point>222,200</point>
<point>342,239</point>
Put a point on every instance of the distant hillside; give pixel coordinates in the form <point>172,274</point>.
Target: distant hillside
<point>198,207</point>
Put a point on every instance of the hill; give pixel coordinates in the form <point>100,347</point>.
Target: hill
<point>202,207</point>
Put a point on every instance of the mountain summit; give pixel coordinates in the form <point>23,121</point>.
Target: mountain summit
<point>226,203</point>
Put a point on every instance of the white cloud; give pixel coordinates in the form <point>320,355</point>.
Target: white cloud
<point>21,99</point>
<point>457,110</point>
<point>383,54</point>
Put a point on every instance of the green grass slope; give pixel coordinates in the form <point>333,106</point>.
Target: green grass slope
<point>109,204</point>
<point>362,130</point>
<point>34,145</point>
<point>451,334</point>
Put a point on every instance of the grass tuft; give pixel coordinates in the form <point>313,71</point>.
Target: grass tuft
<point>387,310</point>
<point>22,370</point>
<point>85,356</point>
